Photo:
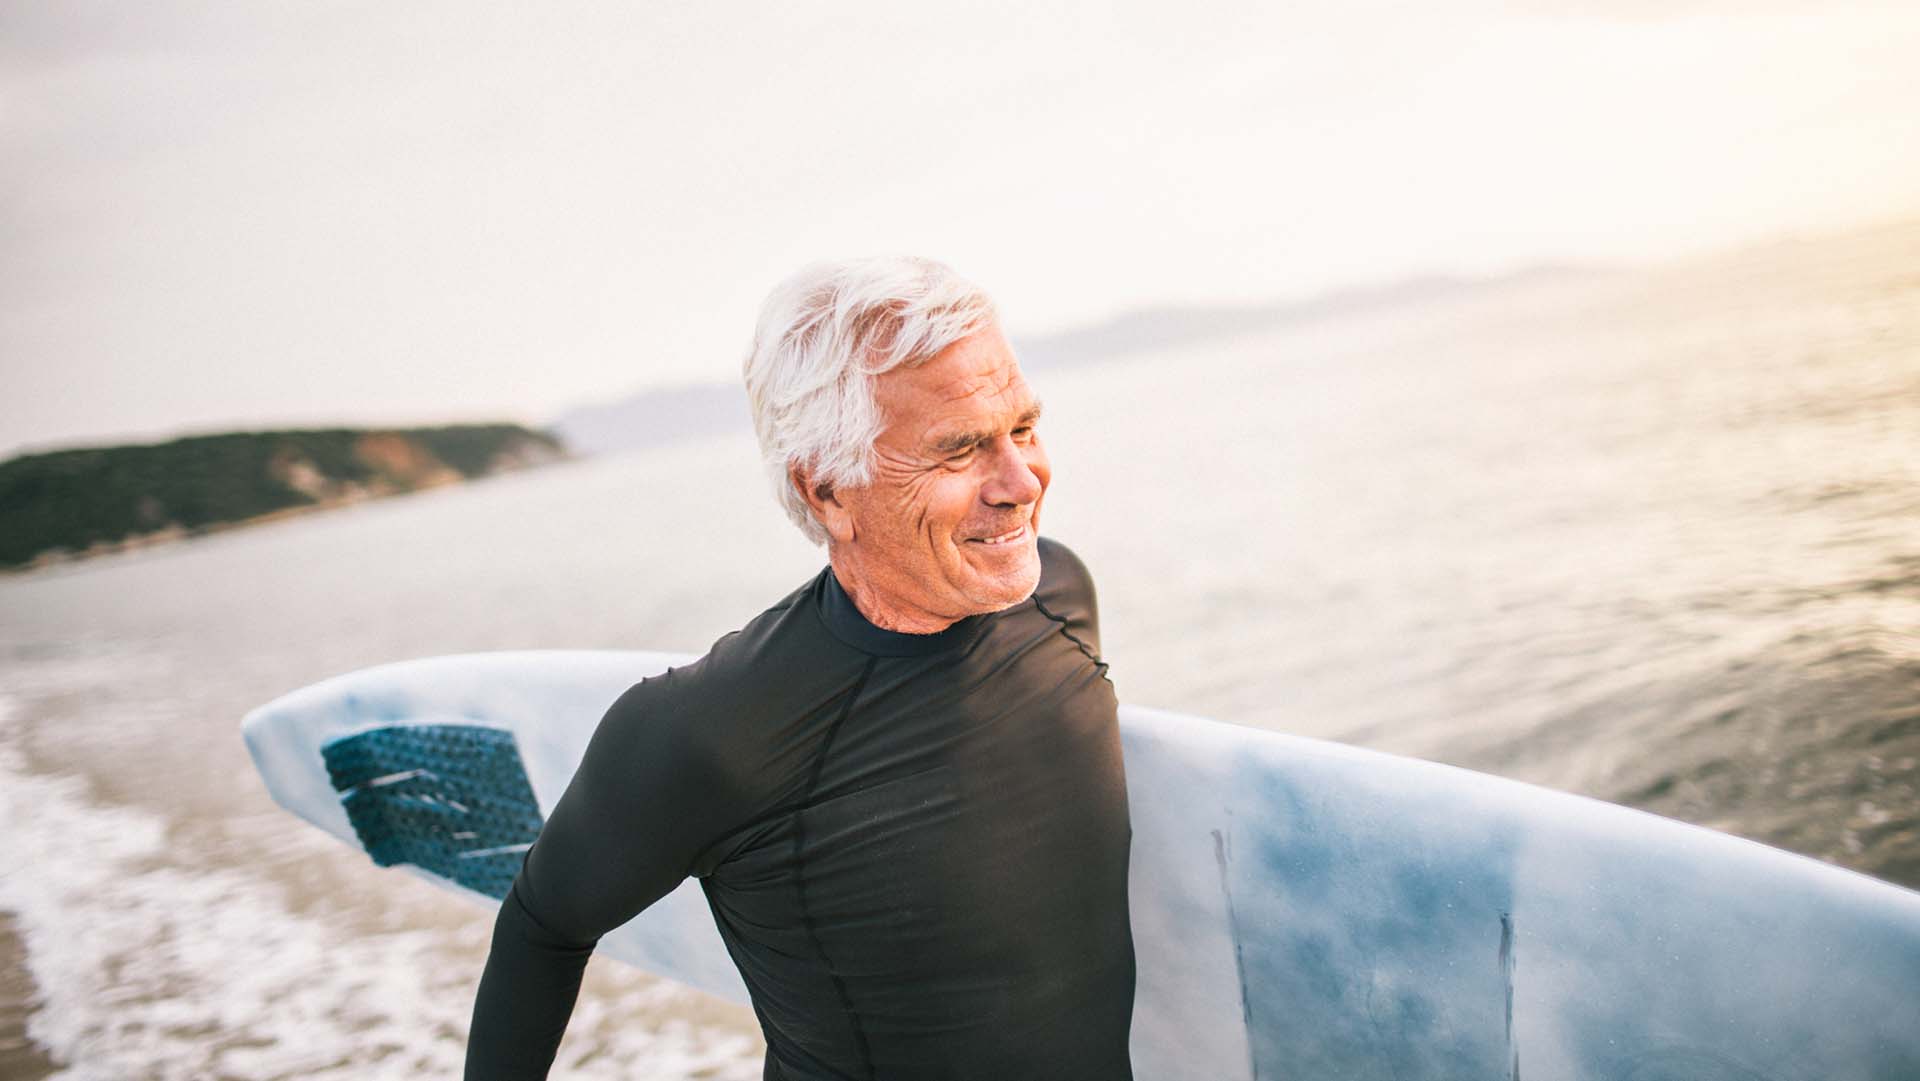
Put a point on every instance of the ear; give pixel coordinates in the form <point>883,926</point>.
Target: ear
<point>833,515</point>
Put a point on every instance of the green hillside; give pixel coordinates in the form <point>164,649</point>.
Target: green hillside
<point>74,502</point>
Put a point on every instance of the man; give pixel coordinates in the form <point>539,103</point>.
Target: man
<point>901,786</point>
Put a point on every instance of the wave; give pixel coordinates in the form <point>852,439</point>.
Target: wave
<point>148,970</point>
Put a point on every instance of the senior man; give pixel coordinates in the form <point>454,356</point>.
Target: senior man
<point>900,786</point>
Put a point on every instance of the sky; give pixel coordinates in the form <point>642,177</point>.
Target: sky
<point>217,216</point>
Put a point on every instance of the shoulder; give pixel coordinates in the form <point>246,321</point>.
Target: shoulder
<point>728,710</point>
<point>1066,591</point>
<point>732,676</point>
<point>1064,577</point>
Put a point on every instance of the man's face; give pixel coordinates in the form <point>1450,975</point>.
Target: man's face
<point>947,528</point>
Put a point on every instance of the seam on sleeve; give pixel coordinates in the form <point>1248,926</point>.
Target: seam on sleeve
<point>1071,637</point>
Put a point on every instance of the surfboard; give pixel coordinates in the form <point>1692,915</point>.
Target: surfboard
<point>1301,909</point>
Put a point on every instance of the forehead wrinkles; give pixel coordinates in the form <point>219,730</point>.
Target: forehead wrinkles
<point>1002,390</point>
<point>994,383</point>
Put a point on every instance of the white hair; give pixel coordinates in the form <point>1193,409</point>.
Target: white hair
<point>825,334</point>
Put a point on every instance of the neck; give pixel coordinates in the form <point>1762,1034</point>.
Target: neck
<point>875,605</point>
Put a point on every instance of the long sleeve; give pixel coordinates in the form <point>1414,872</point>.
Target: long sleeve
<point>647,799</point>
<point>527,992</point>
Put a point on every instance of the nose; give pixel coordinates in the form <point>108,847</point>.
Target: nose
<point>1016,474</point>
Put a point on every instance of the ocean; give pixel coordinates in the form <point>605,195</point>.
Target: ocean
<point>1651,536</point>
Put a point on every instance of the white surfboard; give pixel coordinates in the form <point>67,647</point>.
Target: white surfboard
<point>1301,910</point>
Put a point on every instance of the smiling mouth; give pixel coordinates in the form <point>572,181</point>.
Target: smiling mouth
<point>1013,535</point>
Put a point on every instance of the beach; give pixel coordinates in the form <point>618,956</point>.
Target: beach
<point>20,1058</point>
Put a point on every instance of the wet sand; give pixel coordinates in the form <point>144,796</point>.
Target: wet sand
<point>20,1060</point>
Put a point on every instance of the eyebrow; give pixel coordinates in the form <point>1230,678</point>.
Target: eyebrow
<point>948,444</point>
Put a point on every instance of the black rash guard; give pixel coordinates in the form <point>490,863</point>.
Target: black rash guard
<point>914,846</point>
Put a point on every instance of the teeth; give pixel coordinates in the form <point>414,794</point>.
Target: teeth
<point>1005,537</point>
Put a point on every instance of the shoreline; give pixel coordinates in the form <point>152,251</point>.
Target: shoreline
<point>20,1058</point>
<point>53,558</point>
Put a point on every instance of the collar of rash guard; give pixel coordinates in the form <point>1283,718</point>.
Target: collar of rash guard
<point>844,621</point>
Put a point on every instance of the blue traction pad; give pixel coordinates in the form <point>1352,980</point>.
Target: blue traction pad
<point>452,799</point>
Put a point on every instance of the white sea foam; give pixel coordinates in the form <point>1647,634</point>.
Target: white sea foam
<point>146,970</point>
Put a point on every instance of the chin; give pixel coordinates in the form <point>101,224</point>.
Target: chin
<point>1003,591</point>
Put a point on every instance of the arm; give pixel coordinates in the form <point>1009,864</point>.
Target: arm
<point>648,797</point>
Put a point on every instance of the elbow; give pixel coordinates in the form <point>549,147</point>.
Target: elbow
<point>522,923</point>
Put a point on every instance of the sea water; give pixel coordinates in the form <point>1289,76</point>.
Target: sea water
<point>1652,536</point>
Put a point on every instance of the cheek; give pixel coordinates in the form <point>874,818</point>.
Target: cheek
<point>948,504</point>
<point>889,515</point>
<point>929,507</point>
